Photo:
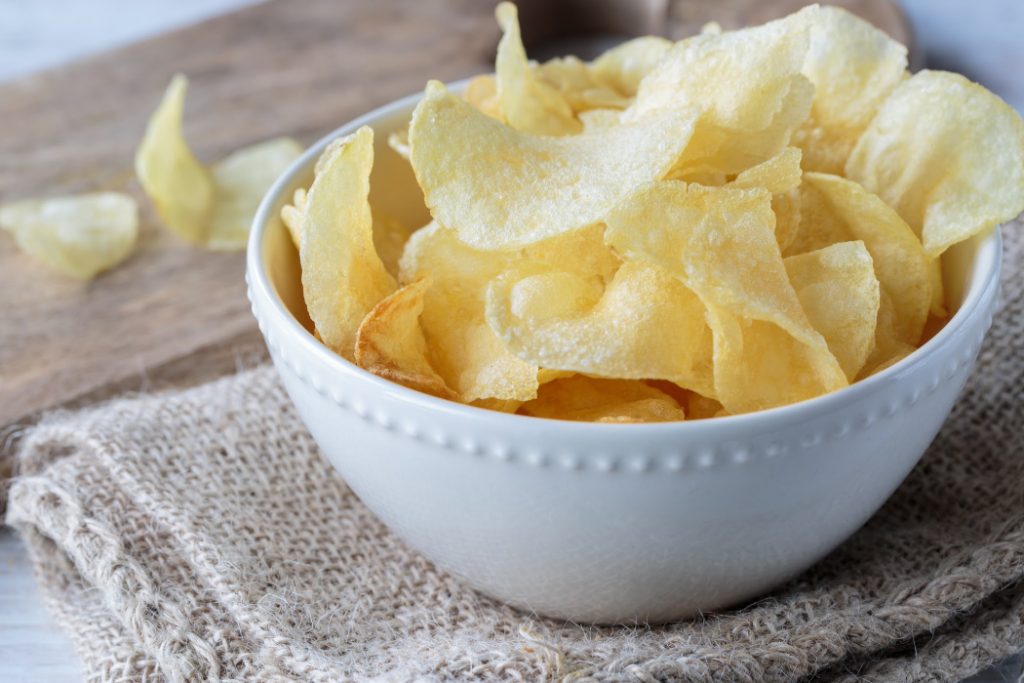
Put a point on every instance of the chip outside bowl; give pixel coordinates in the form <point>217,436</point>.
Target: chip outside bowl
<point>602,522</point>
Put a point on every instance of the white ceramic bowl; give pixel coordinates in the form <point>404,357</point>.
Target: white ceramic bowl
<point>607,522</point>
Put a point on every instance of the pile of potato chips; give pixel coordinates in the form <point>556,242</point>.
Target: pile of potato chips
<point>729,223</point>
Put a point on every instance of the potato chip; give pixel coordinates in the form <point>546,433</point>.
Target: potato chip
<point>624,66</point>
<point>389,238</point>
<point>240,181</point>
<point>467,354</point>
<point>79,235</point>
<point>700,407</point>
<point>602,400</point>
<point>838,210</point>
<point>560,184</point>
<point>399,143</point>
<point>947,154</point>
<point>291,216</point>
<point>779,174</point>
<point>390,342</point>
<point>342,276</point>
<point>599,119</point>
<point>211,208</point>
<point>482,93</point>
<point>889,349</point>
<point>180,187</point>
<point>720,242</point>
<point>854,66</point>
<point>528,104</point>
<point>568,321</point>
<point>573,79</point>
<point>839,293</point>
<point>747,84</point>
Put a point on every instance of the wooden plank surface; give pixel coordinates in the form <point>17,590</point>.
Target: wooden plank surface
<point>286,67</point>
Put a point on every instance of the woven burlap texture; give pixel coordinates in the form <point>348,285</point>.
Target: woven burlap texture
<point>199,535</point>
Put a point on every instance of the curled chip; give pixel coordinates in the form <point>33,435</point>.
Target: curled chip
<point>947,154</point>
<point>466,353</point>
<point>574,80</point>
<point>747,84</point>
<point>79,235</point>
<point>549,186</point>
<point>240,181</point>
<point>839,293</point>
<point>623,67</point>
<point>558,319</point>
<point>720,242</point>
<point>482,93</point>
<point>390,342</point>
<point>602,400</point>
<point>342,276</point>
<point>527,103</point>
<point>212,208</point>
<point>835,210</point>
<point>854,66</point>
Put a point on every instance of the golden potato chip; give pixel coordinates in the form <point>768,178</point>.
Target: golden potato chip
<point>291,216</point>
<point>720,242</point>
<point>568,321</point>
<point>747,84</point>
<point>389,238</point>
<point>779,174</point>
<point>758,365</point>
<point>342,276</point>
<point>947,154</point>
<point>549,186</point>
<point>839,293</point>
<point>854,66</point>
<point>399,143</point>
<point>482,93</point>
<point>602,400</point>
<point>572,77</point>
<point>599,119</point>
<point>528,104</point>
<point>79,235</point>
<point>180,187</point>
<point>211,208</point>
<point>739,78</point>
<point>700,407</point>
<point>390,342</point>
<point>786,207</point>
<point>467,354</point>
<point>624,66</point>
<point>240,181</point>
<point>834,209</point>
<point>889,349</point>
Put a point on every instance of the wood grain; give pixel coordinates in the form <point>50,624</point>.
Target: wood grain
<point>287,67</point>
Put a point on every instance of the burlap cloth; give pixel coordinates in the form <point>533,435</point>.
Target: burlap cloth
<point>198,535</point>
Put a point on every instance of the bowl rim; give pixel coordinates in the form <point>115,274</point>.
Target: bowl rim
<point>987,263</point>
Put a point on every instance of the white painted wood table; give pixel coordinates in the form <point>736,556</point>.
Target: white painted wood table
<point>983,40</point>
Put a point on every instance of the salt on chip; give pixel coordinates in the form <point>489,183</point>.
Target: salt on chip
<point>551,186</point>
<point>720,242</point>
<point>854,66</point>
<point>624,66</point>
<point>644,325</point>
<point>834,210</point>
<point>240,181</point>
<point>80,235</point>
<point>602,400</point>
<point>528,103</point>
<point>181,188</point>
<point>947,155</point>
<point>342,276</point>
<point>390,342</point>
<point>839,293</point>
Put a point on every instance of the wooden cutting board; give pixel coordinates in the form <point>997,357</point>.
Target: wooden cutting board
<point>285,67</point>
